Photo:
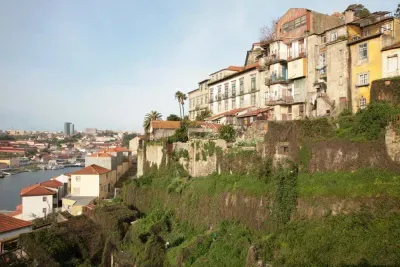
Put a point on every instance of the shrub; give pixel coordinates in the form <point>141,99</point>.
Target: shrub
<point>228,133</point>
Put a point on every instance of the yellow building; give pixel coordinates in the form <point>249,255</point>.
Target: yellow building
<point>367,37</point>
<point>11,163</point>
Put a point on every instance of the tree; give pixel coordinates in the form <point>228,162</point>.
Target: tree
<point>397,12</point>
<point>204,114</point>
<point>359,10</point>
<point>181,97</point>
<point>173,117</point>
<point>178,96</point>
<point>6,137</point>
<point>228,133</point>
<point>269,32</point>
<point>149,117</point>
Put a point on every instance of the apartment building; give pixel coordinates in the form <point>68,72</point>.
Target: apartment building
<point>367,38</point>
<point>285,62</point>
<point>198,100</point>
<point>240,89</point>
<point>317,65</point>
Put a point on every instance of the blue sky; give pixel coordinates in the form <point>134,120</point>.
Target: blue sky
<point>105,64</point>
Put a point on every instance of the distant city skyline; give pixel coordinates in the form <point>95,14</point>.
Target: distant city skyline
<point>106,64</point>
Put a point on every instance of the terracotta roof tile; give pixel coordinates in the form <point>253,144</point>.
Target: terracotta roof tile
<point>234,68</point>
<point>100,155</point>
<point>254,112</point>
<point>36,190</point>
<point>232,112</point>
<point>9,223</point>
<point>165,124</point>
<point>52,183</point>
<point>122,149</point>
<point>91,170</point>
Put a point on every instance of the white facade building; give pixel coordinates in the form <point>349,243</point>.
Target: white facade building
<point>92,181</point>
<point>37,202</point>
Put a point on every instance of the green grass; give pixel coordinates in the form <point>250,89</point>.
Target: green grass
<point>345,240</point>
<point>361,183</point>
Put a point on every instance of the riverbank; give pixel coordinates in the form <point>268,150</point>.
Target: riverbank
<point>10,186</point>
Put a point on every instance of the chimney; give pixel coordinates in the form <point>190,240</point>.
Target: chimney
<point>349,16</point>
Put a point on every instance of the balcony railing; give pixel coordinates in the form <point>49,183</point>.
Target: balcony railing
<point>274,57</point>
<point>301,53</point>
<point>275,79</point>
<point>279,99</point>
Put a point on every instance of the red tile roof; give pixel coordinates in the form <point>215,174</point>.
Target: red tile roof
<point>229,113</point>
<point>234,68</point>
<point>165,124</point>
<point>52,183</point>
<point>254,112</point>
<point>9,223</point>
<point>100,155</point>
<point>91,170</point>
<point>36,190</point>
<point>122,149</point>
<point>208,125</point>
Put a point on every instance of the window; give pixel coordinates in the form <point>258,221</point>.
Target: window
<point>333,36</point>
<point>253,83</point>
<point>233,88</point>
<point>290,109</point>
<point>363,51</point>
<point>78,178</point>
<point>301,110</point>
<point>363,79</point>
<point>241,101</point>
<point>233,103</point>
<point>201,100</point>
<point>219,106</point>
<point>226,104</point>
<point>44,210</point>
<point>288,26</point>
<point>219,91</point>
<point>226,89</point>
<point>386,27</point>
<point>44,199</point>
<point>341,80</point>
<point>253,99</point>
<point>363,102</point>
<point>324,39</point>
<point>206,99</point>
<point>211,93</point>
<point>241,85</point>
<point>392,63</point>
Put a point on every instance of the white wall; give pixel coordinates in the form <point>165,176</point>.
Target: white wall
<point>32,207</point>
<point>85,185</point>
<point>394,54</point>
<point>15,233</point>
<point>247,92</point>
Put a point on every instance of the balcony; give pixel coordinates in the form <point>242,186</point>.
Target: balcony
<point>273,100</point>
<point>275,79</point>
<point>302,52</point>
<point>275,57</point>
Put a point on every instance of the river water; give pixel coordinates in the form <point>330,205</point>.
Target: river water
<point>10,186</point>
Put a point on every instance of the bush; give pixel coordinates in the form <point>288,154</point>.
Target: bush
<point>228,133</point>
<point>370,123</point>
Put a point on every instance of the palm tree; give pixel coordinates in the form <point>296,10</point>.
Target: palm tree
<point>149,117</point>
<point>183,98</point>
<point>178,96</point>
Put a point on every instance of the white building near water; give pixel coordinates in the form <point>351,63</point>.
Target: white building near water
<point>37,202</point>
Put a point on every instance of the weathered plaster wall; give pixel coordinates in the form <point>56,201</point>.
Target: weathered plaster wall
<point>197,165</point>
<point>392,141</point>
